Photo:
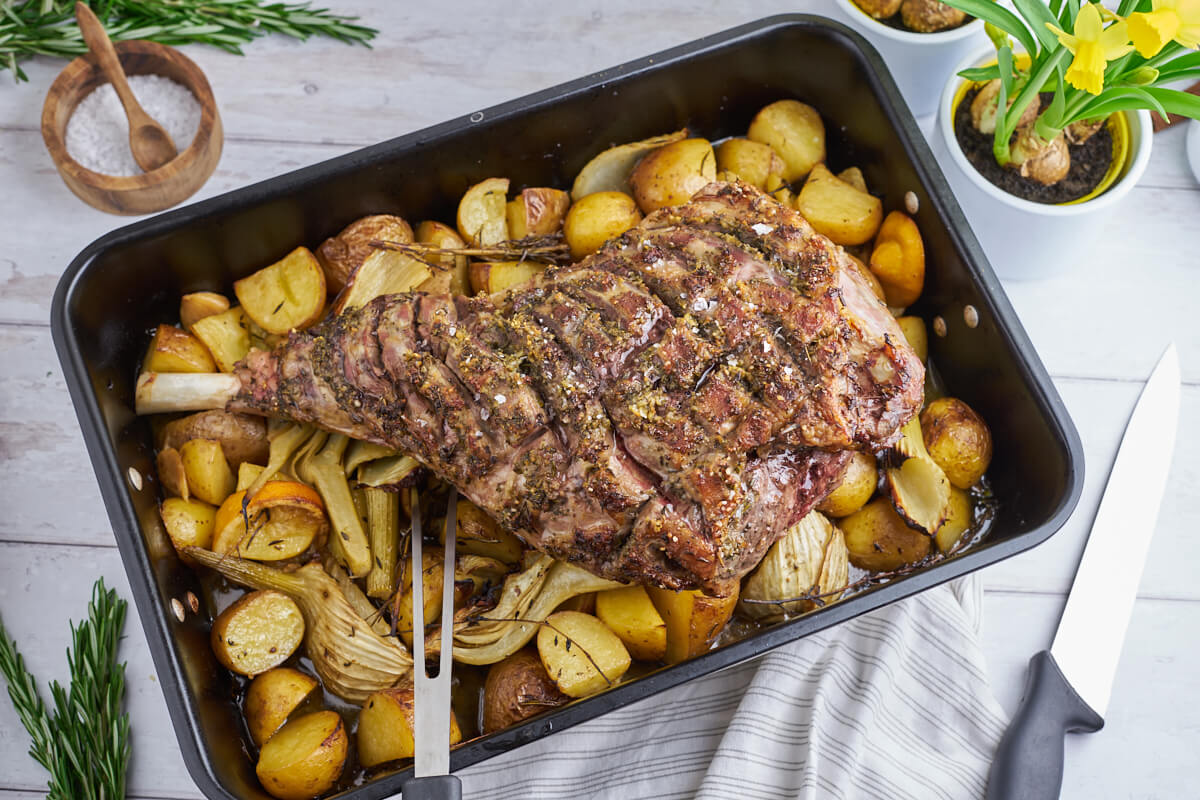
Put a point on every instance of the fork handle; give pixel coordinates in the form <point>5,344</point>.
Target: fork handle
<point>432,787</point>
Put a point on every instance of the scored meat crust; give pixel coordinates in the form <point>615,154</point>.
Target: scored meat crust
<point>658,413</point>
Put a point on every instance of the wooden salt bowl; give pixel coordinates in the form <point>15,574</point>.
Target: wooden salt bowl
<point>146,192</point>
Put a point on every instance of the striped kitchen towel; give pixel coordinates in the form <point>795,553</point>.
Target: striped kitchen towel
<point>894,704</point>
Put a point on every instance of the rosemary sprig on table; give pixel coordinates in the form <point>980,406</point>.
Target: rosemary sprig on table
<point>84,744</point>
<point>47,27</point>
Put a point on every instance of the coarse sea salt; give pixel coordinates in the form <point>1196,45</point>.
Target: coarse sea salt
<point>98,132</point>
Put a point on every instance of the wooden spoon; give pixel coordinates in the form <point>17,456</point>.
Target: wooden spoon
<point>151,144</point>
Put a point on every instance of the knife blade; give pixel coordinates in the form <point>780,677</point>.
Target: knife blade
<point>431,696</point>
<point>1068,686</point>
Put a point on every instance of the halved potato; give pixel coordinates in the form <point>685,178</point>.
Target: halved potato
<point>171,472</point>
<point>482,213</point>
<point>914,332</point>
<point>305,757</point>
<point>670,175</point>
<point>189,523</point>
<point>455,267</point>
<point>209,477</point>
<point>752,162</point>
<point>854,177</point>
<point>537,212</point>
<point>958,521</point>
<point>195,306</point>
<point>340,255</point>
<point>175,350</point>
<point>478,534</point>
<point>226,335</point>
<point>272,697</point>
<point>516,689</point>
<point>857,485</point>
<point>242,437</point>
<point>581,655</point>
<point>432,577</point>
<point>795,131</point>
<point>878,540</point>
<point>837,209</point>
<point>596,218</point>
<point>284,518</point>
<point>630,614</point>
<point>898,259</point>
<point>258,632</point>
<point>287,295</point>
<point>693,619</point>
<point>490,277</point>
<point>609,171</point>
<point>386,724</point>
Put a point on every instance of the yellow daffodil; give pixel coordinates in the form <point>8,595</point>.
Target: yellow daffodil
<point>1094,46</point>
<point>1177,20</point>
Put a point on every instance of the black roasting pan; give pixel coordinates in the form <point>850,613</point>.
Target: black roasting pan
<point>127,282</point>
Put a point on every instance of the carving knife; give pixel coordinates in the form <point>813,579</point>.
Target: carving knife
<point>1068,686</point>
<point>431,696</point>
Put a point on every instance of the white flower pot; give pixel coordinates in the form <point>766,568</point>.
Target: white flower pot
<point>1025,240</point>
<point>919,62</point>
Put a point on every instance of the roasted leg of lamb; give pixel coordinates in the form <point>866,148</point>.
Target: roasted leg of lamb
<point>658,413</point>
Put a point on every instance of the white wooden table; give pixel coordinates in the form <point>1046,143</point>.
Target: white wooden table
<point>289,104</point>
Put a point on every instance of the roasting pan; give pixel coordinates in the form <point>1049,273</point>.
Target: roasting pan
<point>127,282</point>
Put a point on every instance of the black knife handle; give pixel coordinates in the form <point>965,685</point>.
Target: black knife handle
<point>1029,760</point>
<point>432,787</point>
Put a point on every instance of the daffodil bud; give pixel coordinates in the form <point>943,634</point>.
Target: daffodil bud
<point>999,38</point>
<point>1144,76</point>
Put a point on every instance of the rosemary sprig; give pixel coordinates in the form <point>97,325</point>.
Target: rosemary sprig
<point>47,27</point>
<point>84,744</point>
<point>551,249</point>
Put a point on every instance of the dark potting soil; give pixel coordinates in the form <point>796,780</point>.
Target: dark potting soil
<point>1089,161</point>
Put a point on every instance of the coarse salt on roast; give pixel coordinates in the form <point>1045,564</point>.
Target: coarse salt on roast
<point>98,132</point>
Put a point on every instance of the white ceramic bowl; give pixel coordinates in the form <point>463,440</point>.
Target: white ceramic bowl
<point>1025,240</point>
<point>919,62</point>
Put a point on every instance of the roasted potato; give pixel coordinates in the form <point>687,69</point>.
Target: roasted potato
<point>189,523</point>
<point>854,177</point>
<point>490,277</point>
<point>752,162</point>
<point>857,485</point>
<point>284,517</point>
<point>930,16</point>
<point>198,305</point>
<point>431,594</point>
<point>287,295</point>
<point>837,209</point>
<point>258,632</point>
<point>171,473</point>
<point>580,654</point>
<point>959,520</point>
<point>478,534</point>
<point>878,540</point>
<point>693,620</point>
<point>242,437</point>
<point>340,255</point>
<point>779,190</point>
<point>175,350</point>
<point>441,235</point>
<point>914,332</point>
<point>226,335</point>
<point>385,726</point>
<point>898,259</point>
<point>795,131</point>
<point>597,218</point>
<point>670,175</point>
<point>879,9</point>
<point>482,213</point>
<point>272,697</point>
<point>305,757</point>
<point>516,689</point>
<point>609,170</point>
<point>537,212</point>
<point>631,615</point>
<point>957,439</point>
<point>209,477</point>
